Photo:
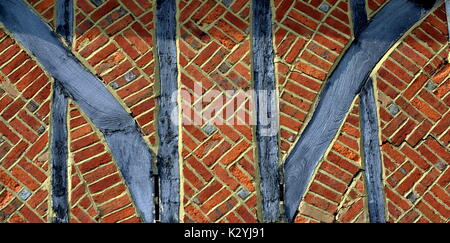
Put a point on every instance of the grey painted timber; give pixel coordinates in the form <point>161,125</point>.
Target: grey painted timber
<point>59,134</point>
<point>359,16</point>
<point>264,80</point>
<point>168,154</point>
<point>59,155</point>
<point>371,154</point>
<point>121,132</point>
<point>65,19</point>
<point>386,28</point>
<point>369,129</point>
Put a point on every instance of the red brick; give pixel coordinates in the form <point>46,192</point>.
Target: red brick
<point>105,183</point>
<point>24,178</point>
<point>30,216</point>
<point>95,162</point>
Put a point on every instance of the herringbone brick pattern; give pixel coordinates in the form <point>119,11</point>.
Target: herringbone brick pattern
<point>353,207</point>
<point>115,40</point>
<point>98,191</point>
<point>310,36</point>
<point>336,193</point>
<point>218,160</point>
<point>45,8</point>
<point>414,102</point>
<point>24,134</point>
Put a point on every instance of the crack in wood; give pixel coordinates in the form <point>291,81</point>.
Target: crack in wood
<point>65,19</point>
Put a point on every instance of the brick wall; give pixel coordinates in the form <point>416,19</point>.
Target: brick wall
<point>99,193</point>
<point>115,40</point>
<point>45,8</point>
<point>414,131</point>
<point>413,100</point>
<point>372,6</point>
<point>218,159</point>
<point>336,193</point>
<point>309,38</point>
<point>24,120</point>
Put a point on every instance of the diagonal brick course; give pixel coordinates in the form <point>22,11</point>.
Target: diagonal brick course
<point>24,127</point>
<point>413,125</point>
<point>115,40</point>
<point>98,192</point>
<point>215,50</point>
<point>308,41</point>
<point>336,192</point>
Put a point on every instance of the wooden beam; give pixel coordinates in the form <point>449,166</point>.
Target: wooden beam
<point>386,28</point>
<point>359,16</point>
<point>168,153</point>
<point>65,19</point>
<point>59,152</point>
<point>59,133</point>
<point>129,149</point>
<point>266,109</point>
<point>371,154</point>
<point>369,129</point>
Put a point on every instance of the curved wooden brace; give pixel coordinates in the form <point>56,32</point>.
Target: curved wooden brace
<point>342,86</point>
<point>133,156</point>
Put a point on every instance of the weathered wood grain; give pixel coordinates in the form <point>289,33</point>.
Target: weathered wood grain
<point>389,24</point>
<point>168,153</point>
<point>65,19</point>
<point>369,130</point>
<point>59,134</point>
<point>264,80</point>
<point>133,156</point>
<point>371,154</point>
<point>59,155</point>
<point>359,16</point>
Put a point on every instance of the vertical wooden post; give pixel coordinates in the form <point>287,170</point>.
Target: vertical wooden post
<point>369,129</point>
<point>266,110</point>
<point>168,153</point>
<point>59,134</point>
<point>371,154</point>
<point>359,16</point>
